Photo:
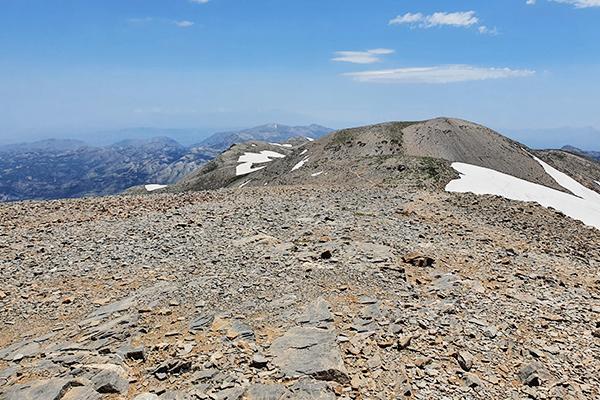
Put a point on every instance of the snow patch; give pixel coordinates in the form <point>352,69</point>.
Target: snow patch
<point>480,180</point>
<point>569,183</point>
<point>281,145</point>
<point>316,173</point>
<point>310,139</point>
<point>597,183</point>
<point>154,187</point>
<point>245,183</point>
<point>300,164</point>
<point>255,158</point>
<point>304,152</point>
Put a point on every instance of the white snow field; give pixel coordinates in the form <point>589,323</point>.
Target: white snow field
<point>316,173</point>
<point>300,164</point>
<point>479,180</point>
<point>255,158</point>
<point>154,187</point>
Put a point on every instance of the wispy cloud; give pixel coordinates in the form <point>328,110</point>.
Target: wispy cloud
<point>580,3</point>
<point>576,3</point>
<point>183,24</point>
<point>200,1</point>
<point>136,20</point>
<point>485,30</point>
<point>457,19</point>
<point>362,57</point>
<point>438,75</point>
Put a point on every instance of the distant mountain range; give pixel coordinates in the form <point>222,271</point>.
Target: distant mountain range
<point>593,154</point>
<point>64,168</point>
<point>267,133</point>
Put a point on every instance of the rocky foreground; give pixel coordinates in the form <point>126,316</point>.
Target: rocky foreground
<point>307,293</point>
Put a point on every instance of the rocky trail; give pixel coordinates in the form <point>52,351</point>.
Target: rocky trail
<point>297,292</point>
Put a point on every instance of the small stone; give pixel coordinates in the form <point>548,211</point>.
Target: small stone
<point>202,321</point>
<point>472,380</point>
<point>404,341</point>
<point>82,393</point>
<point>326,255</point>
<point>259,361</point>
<point>146,396</point>
<point>490,331</point>
<point>421,361</point>
<point>110,382</point>
<point>137,353</point>
<point>406,390</point>
<point>529,375</point>
<point>465,360</point>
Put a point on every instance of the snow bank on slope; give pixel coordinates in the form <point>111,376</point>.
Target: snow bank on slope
<point>300,164</point>
<point>569,183</point>
<point>255,158</point>
<point>154,187</point>
<point>481,180</point>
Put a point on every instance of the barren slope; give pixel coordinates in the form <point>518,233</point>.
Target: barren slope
<point>297,292</point>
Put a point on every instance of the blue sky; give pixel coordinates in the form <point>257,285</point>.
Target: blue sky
<point>68,67</point>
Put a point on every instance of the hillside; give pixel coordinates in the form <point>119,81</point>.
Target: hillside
<point>426,260</point>
<point>417,153</point>
<point>297,292</point>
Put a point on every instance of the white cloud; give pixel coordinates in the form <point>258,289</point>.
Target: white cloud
<point>183,24</point>
<point>457,19</point>
<point>200,1</point>
<point>443,74</point>
<point>407,19</point>
<point>362,57</point>
<point>530,2</point>
<point>580,3</point>
<point>485,30</point>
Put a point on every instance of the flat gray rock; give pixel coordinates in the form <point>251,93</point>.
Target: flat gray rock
<point>53,389</point>
<point>266,392</point>
<point>146,396</point>
<point>230,394</point>
<point>244,331</point>
<point>8,372</point>
<point>27,351</point>
<point>202,321</point>
<point>309,351</point>
<point>306,389</point>
<point>119,306</point>
<point>315,314</point>
<point>82,393</point>
<point>110,382</point>
<point>176,395</point>
<point>11,349</point>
